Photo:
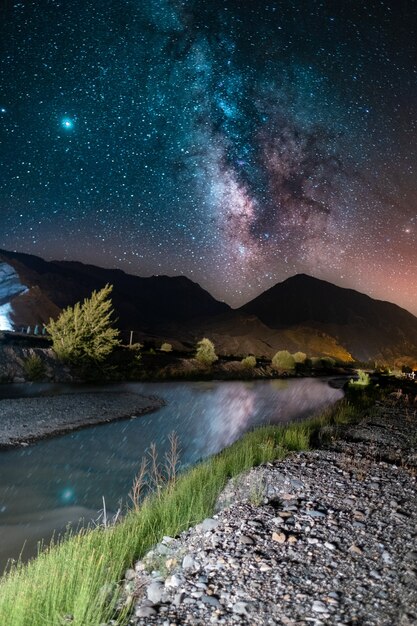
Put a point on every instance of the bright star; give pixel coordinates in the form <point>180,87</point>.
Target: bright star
<point>67,123</point>
<point>2,110</point>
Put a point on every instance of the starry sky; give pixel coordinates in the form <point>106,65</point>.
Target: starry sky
<point>235,142</point>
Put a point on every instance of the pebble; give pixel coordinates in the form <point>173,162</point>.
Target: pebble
<point>319,607</point>
<point>209,524</point>
<point>154,592</point>
<point>325,549</point>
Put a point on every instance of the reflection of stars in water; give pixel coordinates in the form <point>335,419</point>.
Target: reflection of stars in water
<point>67,495</point>
<point>67,123</point>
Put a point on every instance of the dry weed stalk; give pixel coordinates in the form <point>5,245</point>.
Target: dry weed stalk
<point>172,459</point>
<point>138,484</point>
<point>154,476</point>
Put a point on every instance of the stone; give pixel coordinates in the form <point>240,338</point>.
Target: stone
<point>241,608</point>
<point>279,537</point>
<point>145,611</point>
<point>154,592</point>
<point>319,607</point>
<point>246,540</point>
<point>209,524</point>
<point>210,600</point>
<point>314,513</point>
<point>190,563</point>
<point>179,598</point>
<point>130,574</point>
<point>173,581</point>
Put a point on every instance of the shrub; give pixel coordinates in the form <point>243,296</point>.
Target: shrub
<point>328,361</point>
<point>249,362</point>
<point>322,362</point>
<point>283,362</point>
<point>362,381</point>
<point>300,357</point>
<point>83,333</point>
<point>205,352</point>
<point>166,347</point>
<point>34,367</point>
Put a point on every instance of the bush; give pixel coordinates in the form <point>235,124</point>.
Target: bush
<point>166,347</point>
<point>249,362</point>
<point>362,381</point>
<point>205,352</point>
<point>300,357</point>
<point>323,362</point>
<point>328,362</point>
<point>283,362</point>
<point>34,367</point>
<point>83,333</point>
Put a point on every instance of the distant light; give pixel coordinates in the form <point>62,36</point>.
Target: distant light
<point>2,110</point>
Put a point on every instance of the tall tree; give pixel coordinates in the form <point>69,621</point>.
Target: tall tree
<point>84,333</point>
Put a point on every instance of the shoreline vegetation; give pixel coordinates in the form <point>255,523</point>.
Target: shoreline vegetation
<point>78,580</point>
<point>27,361</point>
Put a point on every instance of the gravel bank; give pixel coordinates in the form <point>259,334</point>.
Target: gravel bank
<point>25,420</point>
<point>327,537</point>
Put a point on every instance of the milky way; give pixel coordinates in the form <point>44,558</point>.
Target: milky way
<point>237,143</point>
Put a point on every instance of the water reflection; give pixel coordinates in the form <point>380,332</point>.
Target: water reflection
<point>47,485</point>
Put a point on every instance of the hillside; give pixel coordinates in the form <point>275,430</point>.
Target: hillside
<point>140,303</point>
<point>366,328</point>
<point>301,313</point>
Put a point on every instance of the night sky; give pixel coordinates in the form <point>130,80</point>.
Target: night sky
<point>236,142</point>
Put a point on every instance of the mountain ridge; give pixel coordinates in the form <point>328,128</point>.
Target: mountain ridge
<point>300,313</point>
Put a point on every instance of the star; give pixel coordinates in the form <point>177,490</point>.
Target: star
<point>67,123</point>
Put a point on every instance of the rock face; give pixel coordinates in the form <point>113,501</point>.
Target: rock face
<point>324,537</point>
<point>10,287</point>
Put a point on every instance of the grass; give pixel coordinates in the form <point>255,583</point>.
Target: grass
<point>76,581</point>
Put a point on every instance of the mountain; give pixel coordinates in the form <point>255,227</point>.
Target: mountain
<point>301,313</point>
<point>368,329</point>
<point>38,289</point>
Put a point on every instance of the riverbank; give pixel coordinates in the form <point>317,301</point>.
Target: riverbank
<point>326,537</point>
<point>26,420</point>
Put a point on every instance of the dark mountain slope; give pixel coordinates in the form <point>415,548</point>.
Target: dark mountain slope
<point>138,302</point>
<point>367,328</point>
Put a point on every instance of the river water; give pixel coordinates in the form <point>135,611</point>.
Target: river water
<point>45,486</point>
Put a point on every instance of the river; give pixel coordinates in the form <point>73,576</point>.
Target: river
<point>47,485</point>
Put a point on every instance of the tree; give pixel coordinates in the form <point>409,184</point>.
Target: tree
<point>205,352</point>
<point>83,333</point>
<point>283,362</point>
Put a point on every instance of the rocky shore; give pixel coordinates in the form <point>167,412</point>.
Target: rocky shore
<point>327,537</point>
<point>25,420</point>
